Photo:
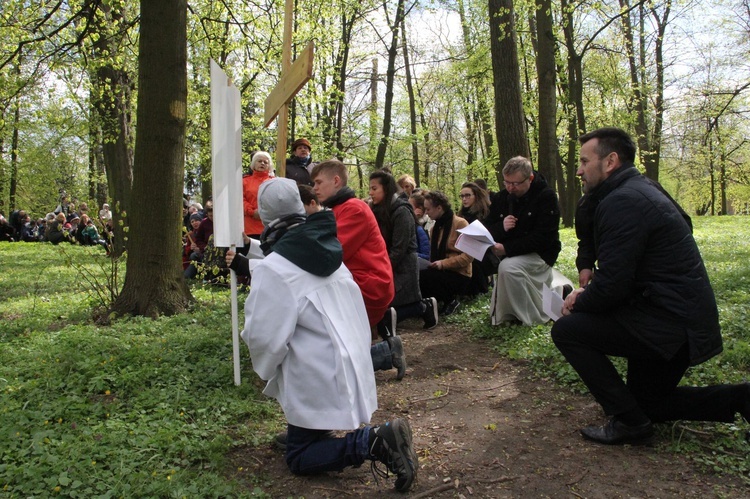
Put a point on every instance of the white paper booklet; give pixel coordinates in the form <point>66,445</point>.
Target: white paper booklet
<point>552,303</point>
<point>474,240</point>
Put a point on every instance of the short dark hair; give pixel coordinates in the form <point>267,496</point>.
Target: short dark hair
<point>437,198</point>
<point>307,194</point>
<point>611,140</point>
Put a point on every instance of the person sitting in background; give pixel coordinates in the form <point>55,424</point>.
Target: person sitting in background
<point>475,205</point>
<point>406,185</point>
<point>449,272</point>
<point>190,251</point>
<point>307,330</point>
<point>309,199</point>
<point>6,231</point>
<point>105,214</point>
<point>73,228</point>
<point>525,225</point>
<point>416,200</point>
<point>299,164</point>
<point>91,234</point>
<point>260,168</point>
<point>55,232</point>
<point>395,219</point>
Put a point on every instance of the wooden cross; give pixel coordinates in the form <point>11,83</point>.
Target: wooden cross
<point>293,78</point>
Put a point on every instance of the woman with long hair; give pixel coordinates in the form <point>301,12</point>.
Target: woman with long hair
<point>449,272</point>
<point>475,202</point>
<point>396,221</point>
<point>475,205</point>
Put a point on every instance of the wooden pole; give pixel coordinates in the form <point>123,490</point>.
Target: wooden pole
<point>286,63</point>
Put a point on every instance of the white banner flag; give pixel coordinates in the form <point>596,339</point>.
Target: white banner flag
<point>226,159</point>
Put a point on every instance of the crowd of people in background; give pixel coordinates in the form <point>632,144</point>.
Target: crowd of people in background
<point>69,222</point>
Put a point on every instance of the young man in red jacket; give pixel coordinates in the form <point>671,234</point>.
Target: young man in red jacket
<point>366,257</point>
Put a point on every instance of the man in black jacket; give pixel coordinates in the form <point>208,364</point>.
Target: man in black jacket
<point>524,221</point>
<point>650,302</point>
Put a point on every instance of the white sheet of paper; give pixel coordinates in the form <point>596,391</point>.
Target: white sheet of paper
<point>472,246</point>
<point>552,303</point>
<point>478,231</point>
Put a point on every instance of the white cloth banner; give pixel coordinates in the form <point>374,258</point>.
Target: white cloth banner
<point>226,159</point>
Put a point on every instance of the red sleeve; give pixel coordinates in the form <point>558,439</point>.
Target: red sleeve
<point>352,231</point>
<point>249,203</point>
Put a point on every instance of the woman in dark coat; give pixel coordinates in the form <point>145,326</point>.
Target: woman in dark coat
<point>396,221</point>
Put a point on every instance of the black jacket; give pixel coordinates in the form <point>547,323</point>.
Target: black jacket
<point>538,227</point>
<point>296,169</point>
<point>584,224</point>
<point>650,275</point>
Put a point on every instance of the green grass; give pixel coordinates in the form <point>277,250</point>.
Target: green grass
<point>148,408</point>
<point>139,408</point>
<point>725,245</point>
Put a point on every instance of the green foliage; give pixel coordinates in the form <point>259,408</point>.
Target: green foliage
<point>725,245</point>
<point>141,408</point>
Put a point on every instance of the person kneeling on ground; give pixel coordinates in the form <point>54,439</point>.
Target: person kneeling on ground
<point>312,346</point>
<point>650,302</point>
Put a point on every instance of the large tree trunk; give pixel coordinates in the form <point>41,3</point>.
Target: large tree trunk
<point>510,124</point>
<point>154,284</point>
<point>112,99</point>
<point>390,77</point>
<point>547,75</point>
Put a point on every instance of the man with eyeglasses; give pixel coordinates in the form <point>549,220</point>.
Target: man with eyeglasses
<point>524,221</point>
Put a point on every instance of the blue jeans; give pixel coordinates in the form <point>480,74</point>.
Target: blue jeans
<point>381,356</point>
<point>309,452</point>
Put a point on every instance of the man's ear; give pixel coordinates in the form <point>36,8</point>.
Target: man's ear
<point>337,182</point>
<point>612,162</point>
<point>531,177</point>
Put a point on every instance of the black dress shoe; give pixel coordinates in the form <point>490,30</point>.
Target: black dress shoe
<point>618,433</point>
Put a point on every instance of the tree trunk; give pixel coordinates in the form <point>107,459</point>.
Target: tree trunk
<point>510,124</point>
<point>412,110</point>
<point>14,157</point>
<point>390,77</point>
<point>547,76</point>
<point>112,99</point>
<point>154,284</point>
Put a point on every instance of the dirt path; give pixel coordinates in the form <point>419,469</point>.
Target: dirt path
<point>483,429</point>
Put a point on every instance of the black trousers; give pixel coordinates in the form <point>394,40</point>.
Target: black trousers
<point>651,386</point>
<point>444,285</point>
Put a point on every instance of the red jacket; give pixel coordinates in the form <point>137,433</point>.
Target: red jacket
<point>366,256</point>
<point>250,185</point>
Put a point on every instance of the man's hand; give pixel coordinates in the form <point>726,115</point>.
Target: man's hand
<point>570,301</point>
<point>498,249</point>
<point>229,257</point>
<point>584,277</point>
<point>509,223</point>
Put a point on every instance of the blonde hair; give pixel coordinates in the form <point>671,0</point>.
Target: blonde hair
<point>406,179</point>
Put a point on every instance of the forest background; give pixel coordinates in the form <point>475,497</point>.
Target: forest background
<point>109,100</point>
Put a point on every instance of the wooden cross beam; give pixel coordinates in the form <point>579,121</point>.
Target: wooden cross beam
<point>293,78</point>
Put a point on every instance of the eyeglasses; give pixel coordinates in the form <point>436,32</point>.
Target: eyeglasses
<point>464,196</point>
<point>514,184</point>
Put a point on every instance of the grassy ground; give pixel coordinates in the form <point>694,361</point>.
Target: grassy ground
<point>725,245</point>
<point>144,408</point>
